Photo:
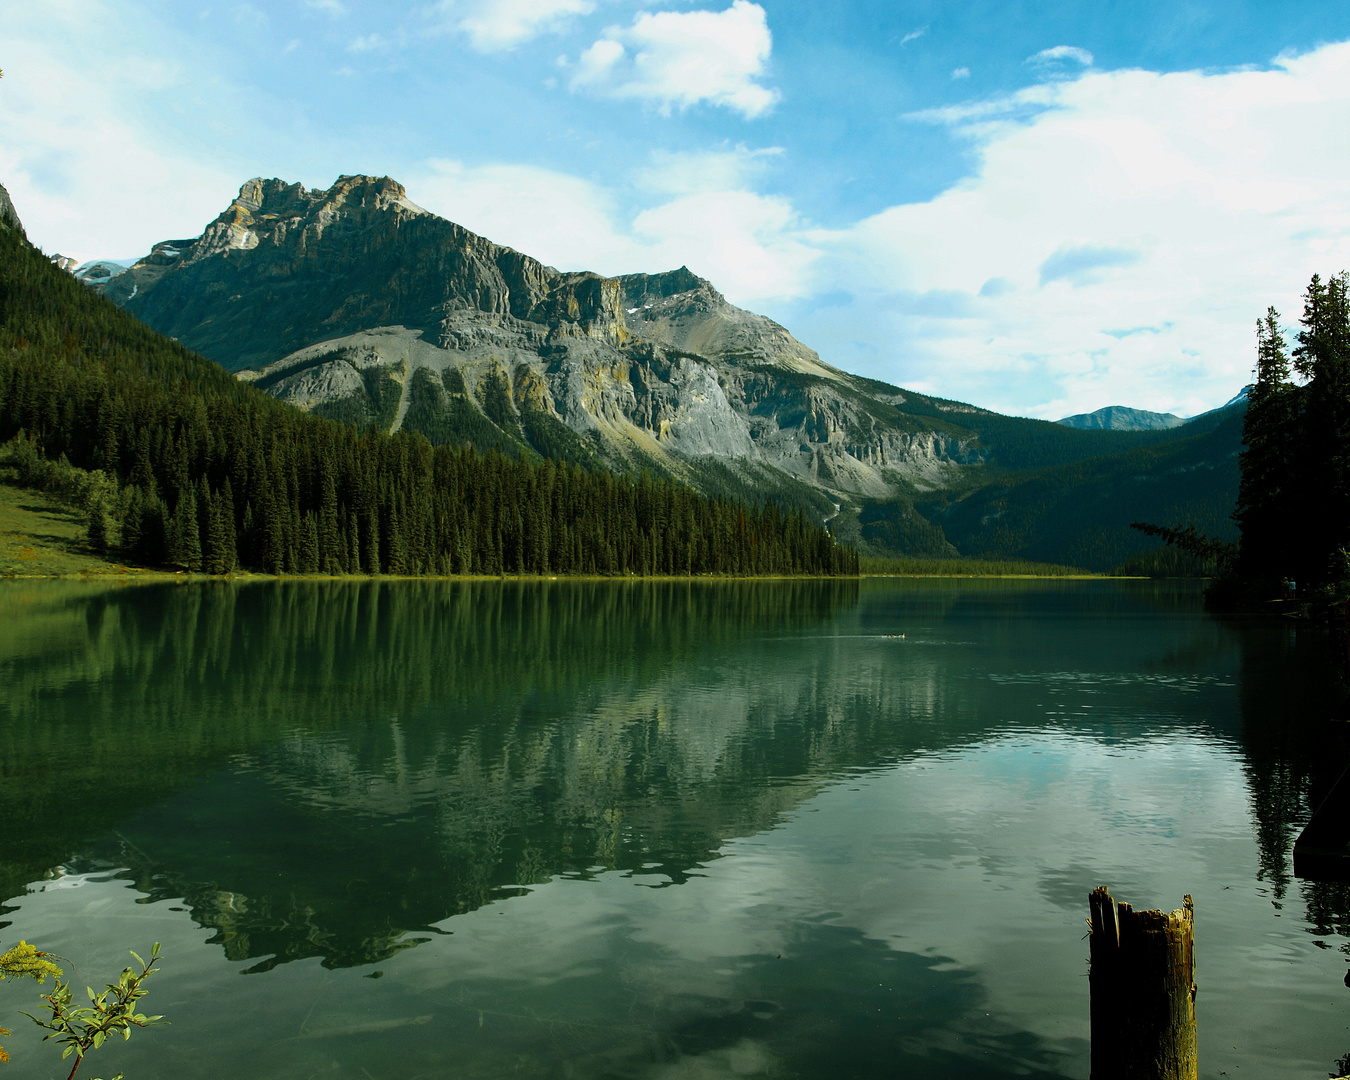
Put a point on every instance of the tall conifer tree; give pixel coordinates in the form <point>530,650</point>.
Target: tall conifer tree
<point>1322,356</point>
<point>1267,505</point>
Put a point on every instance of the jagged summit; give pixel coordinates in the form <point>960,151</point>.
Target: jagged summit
<point>357,255</point>
<point>362,254</point>
<point>271,207</point>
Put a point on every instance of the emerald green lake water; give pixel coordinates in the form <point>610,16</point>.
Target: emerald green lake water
<point>658,830</point>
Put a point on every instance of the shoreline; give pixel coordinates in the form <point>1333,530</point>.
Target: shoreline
<point>132,574</point>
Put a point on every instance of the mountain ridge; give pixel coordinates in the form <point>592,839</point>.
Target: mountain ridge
<point>1123,418</point>
<point>366,281</point>
<point>356,303</point>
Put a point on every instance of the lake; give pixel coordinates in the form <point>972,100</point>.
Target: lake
<point>658,829</point>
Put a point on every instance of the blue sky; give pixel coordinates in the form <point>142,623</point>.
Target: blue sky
<point>1042,208</point>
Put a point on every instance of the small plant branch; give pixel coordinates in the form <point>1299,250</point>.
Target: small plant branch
<point>84,1028</point>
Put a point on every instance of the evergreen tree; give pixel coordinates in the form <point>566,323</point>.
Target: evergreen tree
<point>131,521</point>
<point>1266,506</point>
<point>1322,356</point>
<point>309,545</point>
<point>394,560</point>
<point>154,539</point>
<point>329,524</point>
<point>227,543</point>
<point>370,544</point>
<point>142,473</point>
<point>106,455</point>
<point>205,504</point>
<point>185,544</point>
<point>98,526</point>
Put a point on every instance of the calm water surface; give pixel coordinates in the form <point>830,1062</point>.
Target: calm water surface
<point>570,829</point>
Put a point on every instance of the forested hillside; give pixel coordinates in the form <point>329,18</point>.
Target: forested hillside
<point>1080,513</point>
<point>206,473</point>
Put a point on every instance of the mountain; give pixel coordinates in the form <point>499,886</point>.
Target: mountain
<point>1122,418</point>
<point>357,304</point>
<point>177,463</point>
<point>98,272</point>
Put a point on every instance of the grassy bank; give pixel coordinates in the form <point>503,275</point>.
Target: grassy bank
<point>39,537</point>
<point>870,566</point>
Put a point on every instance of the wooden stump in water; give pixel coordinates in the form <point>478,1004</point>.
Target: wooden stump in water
<point>1143,991</point>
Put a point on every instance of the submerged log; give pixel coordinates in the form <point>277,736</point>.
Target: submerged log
<point>1143,991</point>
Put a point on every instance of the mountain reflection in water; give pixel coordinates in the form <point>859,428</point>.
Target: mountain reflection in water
<point>347,770</point>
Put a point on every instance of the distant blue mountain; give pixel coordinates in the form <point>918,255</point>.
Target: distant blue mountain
<point>1123,418</point>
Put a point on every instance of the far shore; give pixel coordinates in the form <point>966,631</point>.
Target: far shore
<point>40,539</point>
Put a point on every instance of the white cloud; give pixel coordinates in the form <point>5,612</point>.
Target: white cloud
<point>913,35</point>
<point>248,15</point>
<point>560,219</point>
<point>967,117</point>
<point>961,73</point>
<point>369,43</point>
<point>86,172</point>
<point>1060,53</point>
<point>494,25</point>
<point>752,247</point>
<point>1084,264</point>
<point>1184,202</point>
<point>678,59</point>
<point>1060,62</point>
<point>699,172</point>
<point>335,8</point>
<point>1119,233</point>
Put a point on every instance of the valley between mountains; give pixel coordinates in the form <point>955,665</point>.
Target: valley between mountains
<point>357,304</point>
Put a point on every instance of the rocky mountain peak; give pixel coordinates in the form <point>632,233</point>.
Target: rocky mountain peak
<point>280,198</point>
<point>642,289</point>
<point>269,210</point>
<point>361,254</point>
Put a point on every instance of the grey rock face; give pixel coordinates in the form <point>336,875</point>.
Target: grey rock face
<point>307,292</point>
<point>9,217</point>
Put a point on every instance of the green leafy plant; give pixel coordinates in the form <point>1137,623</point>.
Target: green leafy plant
<point>25,960</point>
<point>83,1028</point>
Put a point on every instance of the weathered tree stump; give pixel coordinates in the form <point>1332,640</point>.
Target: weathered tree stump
<point>1143,991</point>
